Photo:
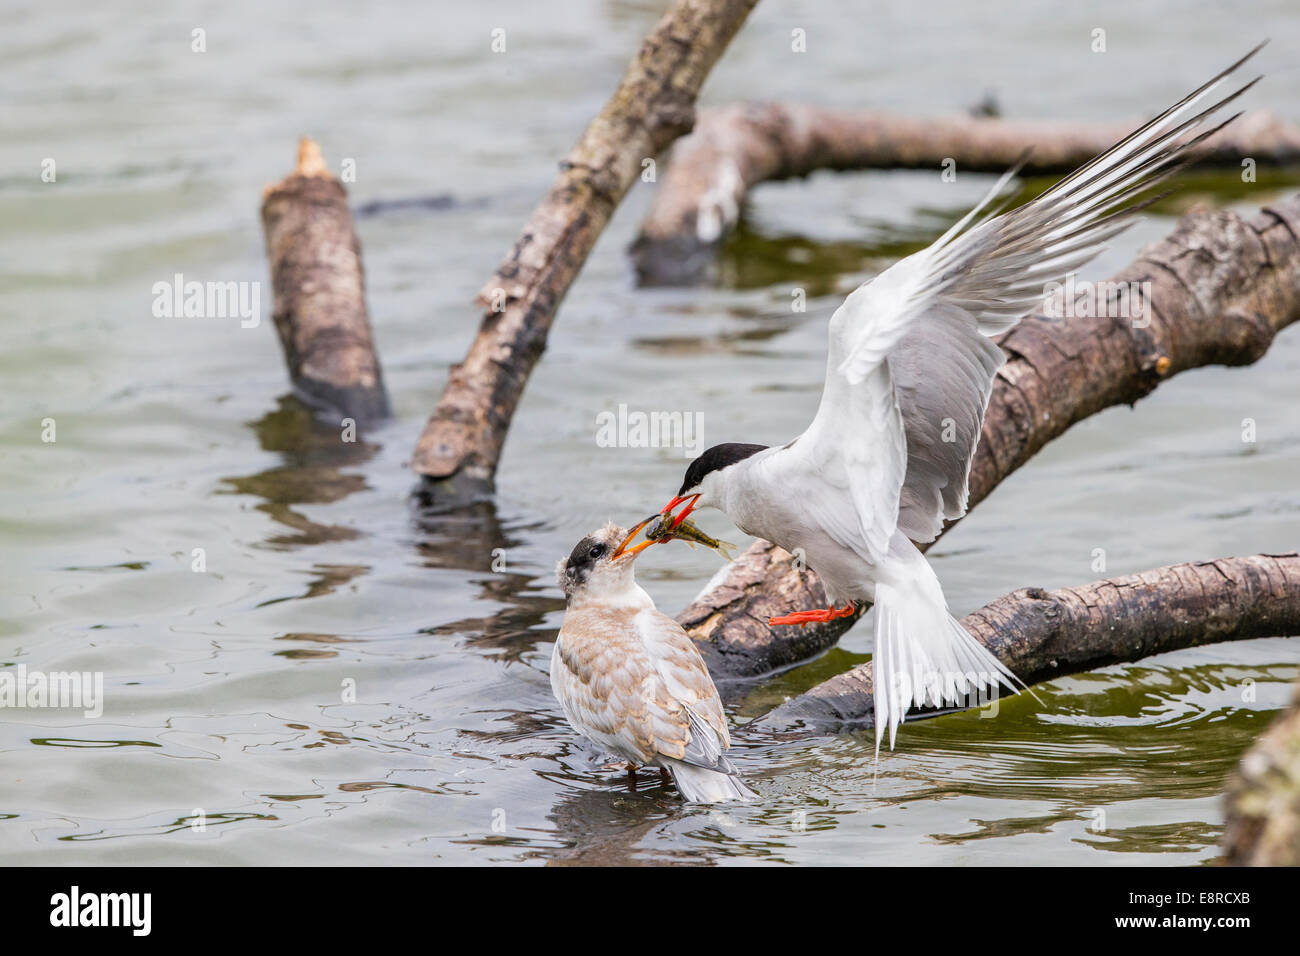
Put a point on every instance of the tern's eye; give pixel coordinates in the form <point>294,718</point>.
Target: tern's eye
<point>596,551</point>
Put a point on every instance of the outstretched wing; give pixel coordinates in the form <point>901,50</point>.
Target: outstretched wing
<point>910,368</point>
<point>943,372</point>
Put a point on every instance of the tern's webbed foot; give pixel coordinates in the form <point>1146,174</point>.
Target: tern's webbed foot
<point>818,616</point>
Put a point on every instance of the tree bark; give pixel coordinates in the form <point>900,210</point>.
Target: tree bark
<point>1263,819</point>
<point>1042,635</point>
<point>319,288</point>
<point>733,149</point>
<point>654,104</point>
<point>1221,289</point>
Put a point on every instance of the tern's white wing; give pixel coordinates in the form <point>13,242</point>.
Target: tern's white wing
<point>910,370</point>
<point>943,373</point>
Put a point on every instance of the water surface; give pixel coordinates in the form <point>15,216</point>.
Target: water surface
<point>226,688</point>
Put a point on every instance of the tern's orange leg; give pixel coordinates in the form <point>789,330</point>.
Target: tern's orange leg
<point>819,616</point>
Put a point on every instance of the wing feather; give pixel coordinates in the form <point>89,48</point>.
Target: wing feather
<point>687,682</point>
<point>943,375</point>
<point>908,353</point>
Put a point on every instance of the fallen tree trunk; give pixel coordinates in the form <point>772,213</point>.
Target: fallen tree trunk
<point>733,149</point>
<point>1042,635</point>
<point>1263,819</point>
<point>1220,289</point>
<point>654,104</point>
<point>319,289</point>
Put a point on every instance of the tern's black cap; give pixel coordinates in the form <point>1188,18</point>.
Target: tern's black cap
<point>715,459</point>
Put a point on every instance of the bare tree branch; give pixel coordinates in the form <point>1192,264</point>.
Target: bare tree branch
<point>653,105</point>
<point>1221,288</point>
<point>1263,819</point>
<point>319,285</point>
<point>1042,636</point>
<point>733,149</point>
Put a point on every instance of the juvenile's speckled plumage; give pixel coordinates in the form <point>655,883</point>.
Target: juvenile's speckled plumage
<point>630,679</point>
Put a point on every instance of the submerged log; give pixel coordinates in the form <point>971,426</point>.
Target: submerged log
<point>1263,819</point>
<point>733,149</point>
<point>1221,287</point>
<point>654,104</point>
<point>1042,635</point>
<point>319,287</point>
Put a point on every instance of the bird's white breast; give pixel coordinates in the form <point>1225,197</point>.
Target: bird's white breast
<point>765,508</point>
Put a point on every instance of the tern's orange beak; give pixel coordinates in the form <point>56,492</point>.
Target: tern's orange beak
<point>668,508</point>
<point>634,551</point>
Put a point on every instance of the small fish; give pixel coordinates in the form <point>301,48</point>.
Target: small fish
<point>658,530</point>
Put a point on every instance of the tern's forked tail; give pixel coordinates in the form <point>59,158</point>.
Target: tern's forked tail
<point>702,785</point>
<point>923,655</point>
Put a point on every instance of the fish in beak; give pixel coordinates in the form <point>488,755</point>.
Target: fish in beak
<point>664,527</point>
<point>690,506</point>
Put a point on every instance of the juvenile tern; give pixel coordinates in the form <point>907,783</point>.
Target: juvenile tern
<point>631,680</point>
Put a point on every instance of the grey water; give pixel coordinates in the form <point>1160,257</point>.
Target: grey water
<point>342,683</point>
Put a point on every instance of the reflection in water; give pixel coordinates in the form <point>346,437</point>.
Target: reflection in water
<point>756,256</point>
<point>326,579</point>
<point>472,538</point>
<point>313,454</point>
<point>1184,837</point>
<point>1119,787</point>
<point>602,828</point>
<point>184,825</point>
<point>365,786</point>
<point>225,690</point>
<point>754,260</point>
<point>96,744</point>
<point>525,725</point>
<point>468,538</point>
